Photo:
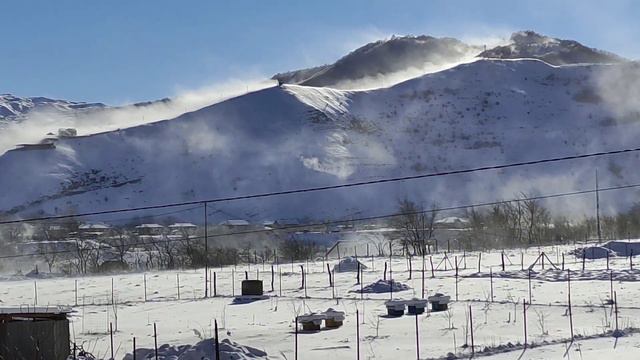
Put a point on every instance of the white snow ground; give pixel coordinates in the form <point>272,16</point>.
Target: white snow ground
<point>268,324</point>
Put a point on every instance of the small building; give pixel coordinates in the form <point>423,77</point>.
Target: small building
<point>93,230</point>
<point>235,223</point>
<point>183,229</point>
<point>149,229</point>
<point>34,333</point>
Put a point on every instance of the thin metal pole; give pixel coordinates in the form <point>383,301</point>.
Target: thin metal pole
<point>206,252</point>
<point>471,328</point>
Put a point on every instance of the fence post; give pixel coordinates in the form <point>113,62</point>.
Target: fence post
<point>296,340</point>
<point>76,292</point>
<point>524,315</point>
<point>417,339</point>
<point>155,340</point>
<point>134,348</point>
<point>357,335</point>
<point>491,281</point>
<point>471,329</point>
<point>144,281</point>
<point>529,277</point>
<point>479,260</point>
<point>215,285</point>
<point>215,325</point>
<point>273,275</point>
<point>569,301</point>
<point>111,339</point>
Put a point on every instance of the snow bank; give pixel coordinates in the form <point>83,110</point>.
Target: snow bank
<point>382,286</point>
<point>204,350</point>
<point>348,264</point>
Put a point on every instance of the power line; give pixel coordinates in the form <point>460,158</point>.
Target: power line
<point>368,218</point>
<point>333,187</point>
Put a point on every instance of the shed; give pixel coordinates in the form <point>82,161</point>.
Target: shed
<point>34,333</point>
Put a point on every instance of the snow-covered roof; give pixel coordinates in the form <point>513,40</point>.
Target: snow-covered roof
<point>235,222</point>
<point>36,310</point>
<point>152,226</point>
<point>452,220</point>
<point>96,226</point>
<point>182,225</point>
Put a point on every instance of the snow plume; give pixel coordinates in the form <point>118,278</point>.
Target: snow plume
<point>36,124</point>
<point>619,87</point>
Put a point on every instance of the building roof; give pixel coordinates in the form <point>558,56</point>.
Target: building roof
<point>96,226</point>
<point>24,310</point>
<point>235,222</point>
<point>151,226</point>
<point>182,225</point>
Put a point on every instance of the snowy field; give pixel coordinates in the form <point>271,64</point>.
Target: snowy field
<point>183,316</point>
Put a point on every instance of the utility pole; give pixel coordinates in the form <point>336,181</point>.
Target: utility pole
<point>598,209</point>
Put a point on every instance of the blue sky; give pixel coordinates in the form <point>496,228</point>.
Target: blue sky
<point>122,51</point>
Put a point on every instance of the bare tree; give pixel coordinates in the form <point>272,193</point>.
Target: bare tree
<point>416,226</point>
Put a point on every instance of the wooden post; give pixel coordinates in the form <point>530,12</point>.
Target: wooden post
<point>542,258</point>
<point>329,274</point>
<point>35,293</point>
<point>410,267</point>
<point>562,261</point>
<point>111,339</point>
<point>357,335</point>
<point>280,281</point>
<point>358,273</point>
<point>611,285</point>
<point>631,260</point>
<point>361,282</point>
<point>615,303</point>
<point>521,260</point>
<point>479,260</point>
<point>607,260</point>
<point>502,260</point>
<point>112,299</point>
<point>273,276</point>
<point>134,348</point>
<point>144,281</point>
<point>417,340</point>
<point>456,259</point>
<point>491,280</point>
<point>524,315</point>
<point>584,257</point>
<point>530,302</point>
<point>296,340</point>
<point>215,284</point>
<point>178,285</point>
<point>215,329</point>
<point>155,340</point>
<point>432,271</point>
<point>423,265</point>
<point>384,275</point>
<point>569,301</point>
<point>471,328</point>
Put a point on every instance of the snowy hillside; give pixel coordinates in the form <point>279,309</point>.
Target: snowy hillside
<point>383,57</point>
<point>482,113</point>
<point>12,107</point>
<point>528,44</point>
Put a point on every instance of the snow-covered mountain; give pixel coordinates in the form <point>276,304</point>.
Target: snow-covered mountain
<point>289,137</point>
<point>383,57</point>
<point>13,107</point>
<point>426,53</point>
<point>528,44</point>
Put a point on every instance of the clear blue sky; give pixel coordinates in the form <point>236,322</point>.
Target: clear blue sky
<point>119,51</point>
